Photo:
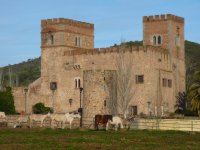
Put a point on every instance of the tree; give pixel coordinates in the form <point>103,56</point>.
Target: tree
<point>194,93</point>
<point>125,78</point>
<point>7,102</point>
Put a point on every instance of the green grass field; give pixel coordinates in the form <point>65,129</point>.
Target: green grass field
<point>83,140</point>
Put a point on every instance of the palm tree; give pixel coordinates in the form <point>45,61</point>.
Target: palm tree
<point>194,93</point>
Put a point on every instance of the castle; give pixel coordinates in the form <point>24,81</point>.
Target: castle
<point>70,61</point>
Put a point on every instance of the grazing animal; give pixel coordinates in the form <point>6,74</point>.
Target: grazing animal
<point>127,122</point>
<point>2,114</point>
<point>38,117</point>
<point>102,119</point>
<point>67,117</point>
<point>20,120</point>
<point>59,118</point>
<point>72,117</point>
<point>116,121</point>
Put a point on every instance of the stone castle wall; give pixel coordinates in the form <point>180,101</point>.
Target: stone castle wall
<point>63,62</point>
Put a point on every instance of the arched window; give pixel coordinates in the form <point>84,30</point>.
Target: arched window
<point>154,40</point>
<point>105,103</point>
<point>77,83</point>
<point>159,39</point>
<point>78,41</point>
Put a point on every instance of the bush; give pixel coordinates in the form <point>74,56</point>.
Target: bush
<point>190,113</point>
<point>39,108</point>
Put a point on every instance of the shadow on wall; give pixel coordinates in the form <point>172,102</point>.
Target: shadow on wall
<point>180,106</point>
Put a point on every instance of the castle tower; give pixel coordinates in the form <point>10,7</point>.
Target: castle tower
<point>58,37</point>
<point>166,33</point>
<point>99,94</point>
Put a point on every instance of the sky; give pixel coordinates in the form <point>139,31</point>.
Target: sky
<point>20,22</point>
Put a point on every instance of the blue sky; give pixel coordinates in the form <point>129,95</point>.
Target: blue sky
<point>20,21</point>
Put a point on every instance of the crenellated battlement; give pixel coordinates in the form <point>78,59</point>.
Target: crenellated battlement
<point>115,50</point>
<point>162,18</point>
<point>67,21</point>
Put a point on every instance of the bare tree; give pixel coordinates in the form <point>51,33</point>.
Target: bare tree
<point>126,85</point>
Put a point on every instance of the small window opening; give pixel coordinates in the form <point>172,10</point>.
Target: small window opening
<point>133,110</point>
<point>170,83</point>
<point>140,79</point>
<point>52,40</point>
<point>76,43</point>
<point>105,103</point>
<point>154,40</point>
<point>164,82</point>
<point>104,87</point>
<point>79,42</point>
<point>159,39</point>
<point>104,78</point>
<point>77,83</point>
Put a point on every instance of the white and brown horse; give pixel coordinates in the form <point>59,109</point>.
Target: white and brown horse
<point>116,121</point>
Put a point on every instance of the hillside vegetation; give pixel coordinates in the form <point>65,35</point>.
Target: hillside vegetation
<point>24,73</point>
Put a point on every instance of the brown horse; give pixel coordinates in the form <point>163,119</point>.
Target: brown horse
<point>102,119</point>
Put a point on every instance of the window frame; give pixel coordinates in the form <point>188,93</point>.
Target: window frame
<point>132,108</point>
<point>137,79</point>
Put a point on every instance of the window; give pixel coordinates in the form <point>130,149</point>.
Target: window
<point>53,85</point>
<point>164,82</point>
<point>104,87</point>
<point>159,39</point>
<point>133,110</point>
<point>154,40</point>
<point>140,79</point>
<point>77,83</point>
<point>105,103</point>
<point>78,41</point>
<point>170,83</point>
<point>51,39</point>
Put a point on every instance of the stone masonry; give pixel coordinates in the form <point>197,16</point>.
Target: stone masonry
<point>68,58</point>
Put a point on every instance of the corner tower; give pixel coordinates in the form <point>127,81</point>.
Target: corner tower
<point>60,36</point>
<point>165,32</point>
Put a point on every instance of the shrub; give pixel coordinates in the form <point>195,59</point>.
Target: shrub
<point>39,108</point>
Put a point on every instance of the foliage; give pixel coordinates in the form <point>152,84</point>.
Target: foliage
<point>7,102</point>
<point>181,102</point>
<point>190,113</point>
<point>39,108</point>
<point>194,93</point>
